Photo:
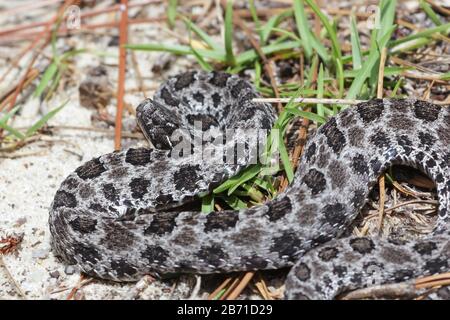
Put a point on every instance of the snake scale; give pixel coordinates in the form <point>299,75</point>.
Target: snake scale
<point>118,216</point>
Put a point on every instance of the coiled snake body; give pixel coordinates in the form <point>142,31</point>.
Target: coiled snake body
<point>116,215</point>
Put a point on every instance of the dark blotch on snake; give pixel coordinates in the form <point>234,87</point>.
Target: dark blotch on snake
<point>425,111</point>
<point>279,208</point>
<point>315,180</point>
<point>362,245</point>
<point>91,169</point>
<point>138,157</point>
<point>221,220</point>
<point>184,80</point>
<point>162,223</point>
<point>83,224</point>
<point>139,187</point>
<point>335,138</point>
<point>64,199</point>
<point>186,177</point>
<point>370,111</point>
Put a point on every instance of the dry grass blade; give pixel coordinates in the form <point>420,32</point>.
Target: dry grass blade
<point>81,283</point>
<point>241,286</point>
<point>381,211</point>
<point>232,286</point>
<point>433,202</point>
<point>432,281</point>
<point>394,290</point>
<point>262,288</point>
<point>123,38</point>
<point>308,100</point>
<point>8,245</point>
<point>16,285</point>
<point>222,286</point>
<point>381,181</point>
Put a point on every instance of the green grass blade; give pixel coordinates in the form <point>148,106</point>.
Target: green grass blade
<point>72,53</point>
<point>331,31</point>
<point>308,115</point>
<point>340,76</point>
<point>9,114</point>
<point>356,45</point>
<point>251,55</point>
<point>203,35</point>
<point>368,66</point>
<point>411,45</point>
<point>41,122</point>
<point>12,131</point>
<point>205,65</point>
<point>255,18</point>
<point>388,71</point>
<point>55,81</point>
<point>207,203</point>
<point>46,78</point>
<point>266,185</point>
<point>387,19</point>
<point>291,35</point>
<point>246,176</point>
<point>172,13</point>
<point>320,84</point>
<point>253,169</point>
<point>176,49</point>
<point>273,22</point>
<point>422,34</point>
<point>302,27</point>
<point>430,13</point>
<point>397,86</point>
<point>445,76</point>
<point>234,202</point>
<point>258,74</point>
<point>171,48</point>
<point>229,56</point>
<point>285,159</point>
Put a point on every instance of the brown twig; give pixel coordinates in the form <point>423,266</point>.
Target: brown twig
<point>232,286</point>
<point>381,180</point>
<point>123,38</point>
<point>241,286</point>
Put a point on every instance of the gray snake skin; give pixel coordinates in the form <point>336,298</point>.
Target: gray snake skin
<point>116,216</point>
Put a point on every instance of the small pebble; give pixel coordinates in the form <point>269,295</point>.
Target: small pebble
<point>40,254</point>
<point>54,274</point>
<point>69,270</point>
